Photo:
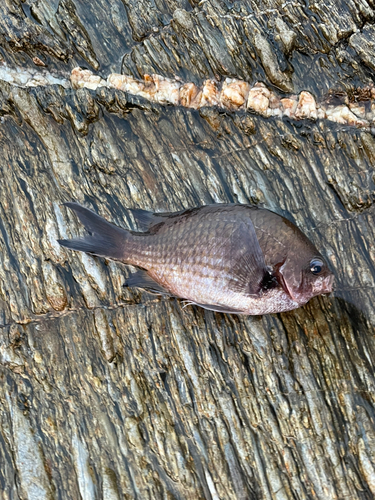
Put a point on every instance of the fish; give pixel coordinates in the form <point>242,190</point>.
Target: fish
<point>230,258</point>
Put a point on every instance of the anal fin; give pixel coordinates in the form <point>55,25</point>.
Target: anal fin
<point>141,279</point>
<point>222,309</point>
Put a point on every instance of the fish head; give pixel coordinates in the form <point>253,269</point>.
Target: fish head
<point>304,275</point>
<point>295,262</point>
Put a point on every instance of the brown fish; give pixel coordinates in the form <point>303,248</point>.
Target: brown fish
<point>227,257</point>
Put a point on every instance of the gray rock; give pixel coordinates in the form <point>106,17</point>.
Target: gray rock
<point>108,392</point>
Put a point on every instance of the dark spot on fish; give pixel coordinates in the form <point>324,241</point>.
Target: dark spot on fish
<point>268,282</point>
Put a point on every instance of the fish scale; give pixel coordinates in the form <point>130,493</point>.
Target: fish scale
<point>224,257</point>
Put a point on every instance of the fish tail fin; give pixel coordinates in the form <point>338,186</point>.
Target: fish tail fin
<point>104,239</point>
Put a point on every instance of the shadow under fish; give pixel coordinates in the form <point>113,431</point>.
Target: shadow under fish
<point>229,258</point>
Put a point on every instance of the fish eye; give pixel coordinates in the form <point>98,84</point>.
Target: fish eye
<point>316,266</point>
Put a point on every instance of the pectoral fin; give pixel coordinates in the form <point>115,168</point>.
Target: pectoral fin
<point>247,261</point>
<point>239,250</point>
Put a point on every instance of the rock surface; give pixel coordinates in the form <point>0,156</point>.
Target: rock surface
<point>115,393</point>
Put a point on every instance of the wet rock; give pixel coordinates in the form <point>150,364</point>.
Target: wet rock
<point>270,63</point>
<point>196,404</point>
<point>363,43</point>
<point>286,35</point>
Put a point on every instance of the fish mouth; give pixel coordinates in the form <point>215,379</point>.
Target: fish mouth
<point>327,284</point>
<point>324,286</point>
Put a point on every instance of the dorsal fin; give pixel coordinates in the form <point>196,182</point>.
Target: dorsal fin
<point>146,219</point>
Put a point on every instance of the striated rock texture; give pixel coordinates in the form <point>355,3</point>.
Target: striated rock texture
<point>113,393</point>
